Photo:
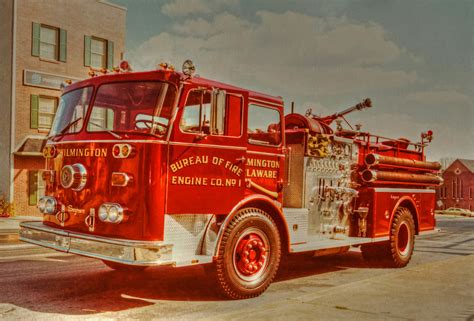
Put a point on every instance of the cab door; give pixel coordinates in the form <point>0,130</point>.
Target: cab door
<point>206,163</point>
<point>265,160</point>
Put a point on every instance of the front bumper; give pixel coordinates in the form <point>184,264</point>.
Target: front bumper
<point>115,250</point>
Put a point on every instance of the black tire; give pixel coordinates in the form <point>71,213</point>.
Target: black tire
<point>249,254</point>
<point>398,251</point>
<point>124,267</point>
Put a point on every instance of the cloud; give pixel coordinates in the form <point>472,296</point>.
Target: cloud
<point>283,53</point>
<point>445,97</point>
<point>178,8</point>
<point>332,62</point>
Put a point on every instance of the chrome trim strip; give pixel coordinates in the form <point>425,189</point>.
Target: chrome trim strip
<point>51,246</point>
<point>264,153</point>
<point>42,228</point>
<point>207,145</point>
<point>151,141</point>
<point>322,244</point>
<point>403,190</point>
<point>38,225</point>
<point>117,250</point>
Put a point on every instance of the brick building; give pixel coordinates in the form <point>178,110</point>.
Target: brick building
<point>45,43</point>
<point>458,187</point>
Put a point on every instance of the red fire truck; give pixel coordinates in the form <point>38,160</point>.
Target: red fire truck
<point>167,168</point>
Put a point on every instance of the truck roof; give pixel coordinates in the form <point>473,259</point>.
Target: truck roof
<point>174,77</point>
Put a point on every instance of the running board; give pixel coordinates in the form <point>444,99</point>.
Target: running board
<point>193,260</point>
<point>317,243</point>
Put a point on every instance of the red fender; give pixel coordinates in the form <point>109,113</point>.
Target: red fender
<point>252,198</point>
<point>401,200</point>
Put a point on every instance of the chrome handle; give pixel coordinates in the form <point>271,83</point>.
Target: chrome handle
<point>241,159</point>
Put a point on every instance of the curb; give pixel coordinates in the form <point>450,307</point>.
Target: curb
<point>9,236</point>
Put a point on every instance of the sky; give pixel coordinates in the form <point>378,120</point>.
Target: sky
<point>414,59</point>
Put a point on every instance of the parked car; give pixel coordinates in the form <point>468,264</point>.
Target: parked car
<point>456,211</point>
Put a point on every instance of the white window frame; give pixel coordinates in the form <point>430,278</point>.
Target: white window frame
<point>40,112</point>
<point>44,42</point>
<point>102,54</point>
<point>40,185</point>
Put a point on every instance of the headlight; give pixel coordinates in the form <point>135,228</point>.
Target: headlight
<point>50,205</point>
<point>41,204</point>
<point>111,213</point>
<point>103,213</point>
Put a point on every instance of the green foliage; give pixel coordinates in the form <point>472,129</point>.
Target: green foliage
<point>6,208</point>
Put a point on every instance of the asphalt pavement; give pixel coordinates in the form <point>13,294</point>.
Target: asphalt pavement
<point>438,284</point>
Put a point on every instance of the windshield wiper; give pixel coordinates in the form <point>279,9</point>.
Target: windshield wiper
<point>106,129</point>
<point>65,129</point>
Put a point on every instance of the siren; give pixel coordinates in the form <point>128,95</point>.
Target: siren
<point>125,66</point>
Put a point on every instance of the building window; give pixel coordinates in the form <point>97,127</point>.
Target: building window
<point>49,42</point>
<point>470,193</point>
<point>42,111</point>
<point>46,110</point>
<point>443,191</point>
<point>98,52</point>
<point>36,186</point>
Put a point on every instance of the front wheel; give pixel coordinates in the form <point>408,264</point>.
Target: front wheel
<point>398,251</point>
<point>249,254</point>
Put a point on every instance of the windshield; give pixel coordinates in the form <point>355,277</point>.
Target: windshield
<point>133,107</point>
<point>72,111</point>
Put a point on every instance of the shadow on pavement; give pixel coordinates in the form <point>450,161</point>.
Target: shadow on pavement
<point>80,286</point>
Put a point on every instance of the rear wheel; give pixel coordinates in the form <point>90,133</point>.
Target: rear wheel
<point>398,251</point>
<point>124,267</point>
<point>249,254</point>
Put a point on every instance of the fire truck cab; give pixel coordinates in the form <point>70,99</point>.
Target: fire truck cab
<point>163,168</point>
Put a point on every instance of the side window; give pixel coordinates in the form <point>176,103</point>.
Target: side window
<point>216,113</point>
<point>264,126</point>
<point>196,115</point>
